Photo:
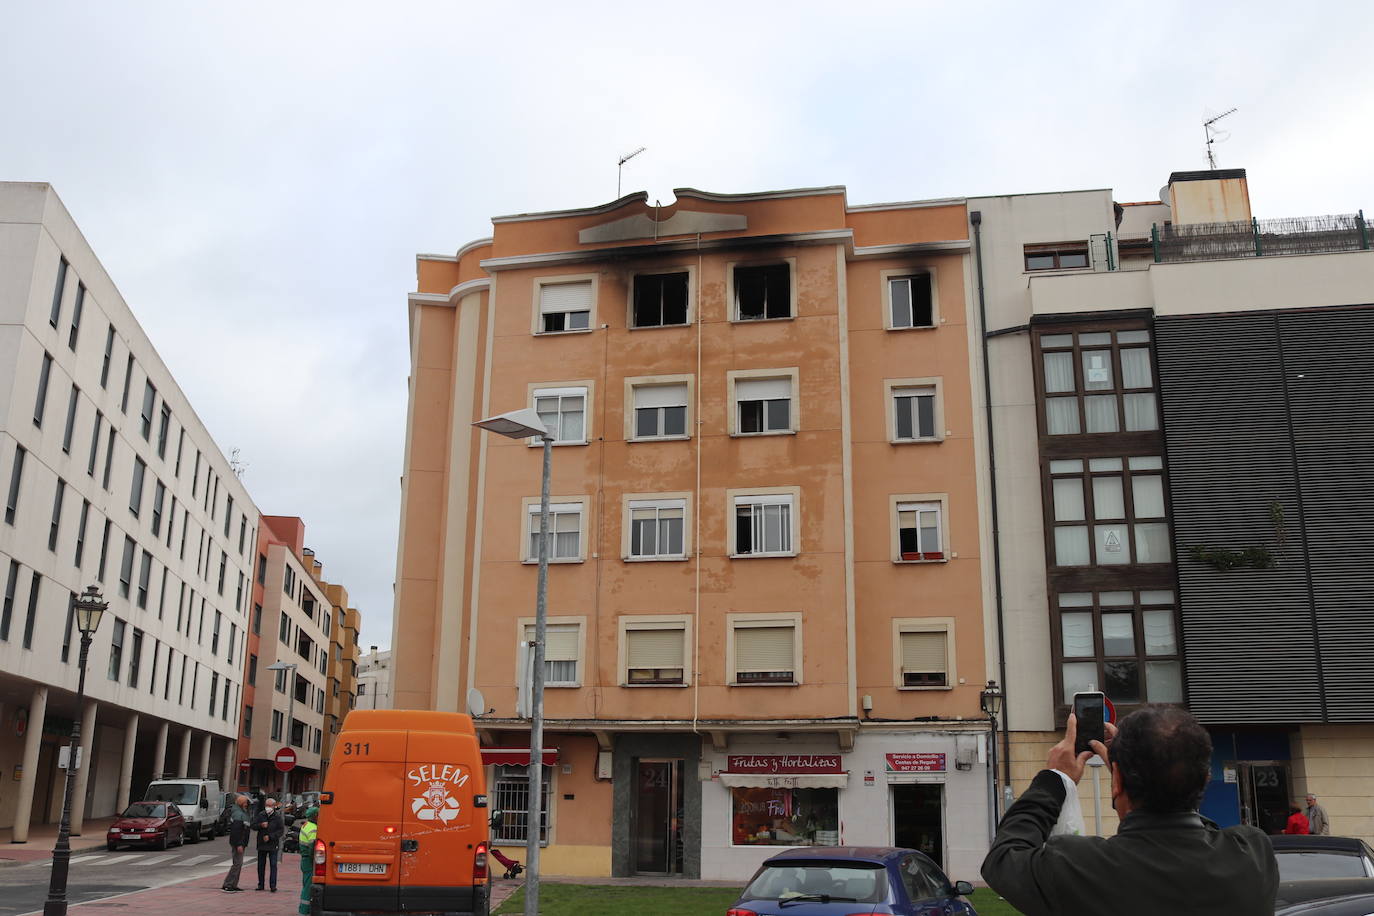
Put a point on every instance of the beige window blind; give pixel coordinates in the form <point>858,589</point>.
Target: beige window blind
<point>654,648</point>
<point>924,653</point>
<point>764,648</point>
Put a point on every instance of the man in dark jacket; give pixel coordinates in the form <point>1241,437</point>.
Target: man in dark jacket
<point>238,841</point>
<point>268,825</point>
<point>1165,858</point>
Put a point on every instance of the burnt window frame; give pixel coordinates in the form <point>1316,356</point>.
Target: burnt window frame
<point>661,275</point>
<point>889,277</point>
<point>774,267</point>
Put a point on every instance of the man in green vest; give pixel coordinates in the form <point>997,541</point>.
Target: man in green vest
<point>307,844</point>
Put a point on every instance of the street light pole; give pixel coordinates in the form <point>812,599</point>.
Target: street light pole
<point>88,610</point>
<point>523,424</point>
<point>990,699</point>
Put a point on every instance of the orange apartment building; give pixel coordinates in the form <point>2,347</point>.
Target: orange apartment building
<point>766,597</point>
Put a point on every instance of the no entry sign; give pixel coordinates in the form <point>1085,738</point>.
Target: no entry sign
<point>285,759</point>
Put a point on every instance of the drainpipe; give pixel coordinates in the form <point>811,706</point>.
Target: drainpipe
<point>976,218</point>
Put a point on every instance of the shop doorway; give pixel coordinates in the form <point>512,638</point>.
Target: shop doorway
<point>658,814</point>
<point>1264,797</point>
<point>918,819</point>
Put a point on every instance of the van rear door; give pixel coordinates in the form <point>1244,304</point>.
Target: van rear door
<point>362,828</point>
<point>442,829</point>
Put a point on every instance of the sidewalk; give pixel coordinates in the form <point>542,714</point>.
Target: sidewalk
<point>43,836</point>
<point>203,895</point>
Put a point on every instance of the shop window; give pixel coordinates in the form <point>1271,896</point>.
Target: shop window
<point>919,534</point>
<point>763,291</point>
<point>563,412</point>
<point>660,300</point>
<point>784,817</point>
<point>911,303</point>
<point>565,306</point>
<point>510,794</point>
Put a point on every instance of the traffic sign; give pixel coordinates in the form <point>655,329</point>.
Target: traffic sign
<point>286,759</point>
<point>245,765</point>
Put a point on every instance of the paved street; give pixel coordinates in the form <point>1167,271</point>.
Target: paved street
<point>190,877</point>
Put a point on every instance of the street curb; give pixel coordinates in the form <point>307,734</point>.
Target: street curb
<point>141,890</point>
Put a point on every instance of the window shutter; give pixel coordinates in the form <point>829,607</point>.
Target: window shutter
<point>764,648</point>
<point>924,652</point>
<point>661,395</point>
<point>565,297</point>
<point>763,389</point>
<point>560,644</point>
<point>654,648</point>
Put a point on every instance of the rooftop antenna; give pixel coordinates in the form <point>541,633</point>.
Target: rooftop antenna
<point>620,167</point>
<point>1213,133</point>
<point>236,463</point>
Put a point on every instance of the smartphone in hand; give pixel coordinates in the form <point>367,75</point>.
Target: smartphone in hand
<point>1089,708</point>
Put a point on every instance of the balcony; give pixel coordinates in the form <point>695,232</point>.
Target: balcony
<point>1260,238</point>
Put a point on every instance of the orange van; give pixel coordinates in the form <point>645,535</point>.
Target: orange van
<point>403,825</point>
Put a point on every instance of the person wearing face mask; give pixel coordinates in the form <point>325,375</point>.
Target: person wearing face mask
<point>269,827</point>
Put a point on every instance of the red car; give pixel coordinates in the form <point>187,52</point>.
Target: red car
<point>147,823</point>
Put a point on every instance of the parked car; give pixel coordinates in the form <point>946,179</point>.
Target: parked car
<point>1346,905</point>
<point>831,880</point>
<point>199,800</point>
<point>147,823</point>
<point>1304,856</point>
<point>1325,897</point>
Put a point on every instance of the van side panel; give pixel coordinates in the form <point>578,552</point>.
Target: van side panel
<point>367,779</point>
<point>442,828</point>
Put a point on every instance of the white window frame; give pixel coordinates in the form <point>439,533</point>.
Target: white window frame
<point>887,276</point>
<point>943,625</point>
<point>537,316</point>
<point>681,500</point>
<point>529,526</point>
<point>939,501</point>
<point>689,270</point>
<point>733,305</point>
<point>766,495</point>
<point>893,386</point>
<point>527,623</point>
<point>637,382</point>
<point>630,622</point>
<point>791,373</point>
<point>737,622</point>
<point>580,387</point>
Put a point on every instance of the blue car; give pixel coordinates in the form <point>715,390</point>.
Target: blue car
<point>852,881</point>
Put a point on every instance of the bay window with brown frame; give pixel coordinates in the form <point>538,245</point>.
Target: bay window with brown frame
<point>1108,543</point>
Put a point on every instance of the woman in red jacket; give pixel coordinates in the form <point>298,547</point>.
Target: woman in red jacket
<point>1297,821</point>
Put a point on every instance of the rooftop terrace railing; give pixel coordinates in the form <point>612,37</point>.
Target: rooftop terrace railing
<point>1259,238</point>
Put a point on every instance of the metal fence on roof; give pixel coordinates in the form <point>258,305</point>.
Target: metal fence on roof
<point>1257,238</point>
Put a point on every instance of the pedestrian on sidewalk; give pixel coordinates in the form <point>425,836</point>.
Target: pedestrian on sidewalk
<point>307,843</point>
<point>238,841</point>
<point>1317,820</point>
<point>270,828</point>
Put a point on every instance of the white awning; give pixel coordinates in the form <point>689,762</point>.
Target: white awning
<point>785,780</point>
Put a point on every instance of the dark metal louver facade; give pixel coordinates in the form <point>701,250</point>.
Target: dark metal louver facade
<point>1269,424</point>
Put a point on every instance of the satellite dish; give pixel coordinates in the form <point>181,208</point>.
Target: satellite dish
<point>477,704</point>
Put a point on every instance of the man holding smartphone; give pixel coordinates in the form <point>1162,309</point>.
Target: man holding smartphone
<point>1165,857</point>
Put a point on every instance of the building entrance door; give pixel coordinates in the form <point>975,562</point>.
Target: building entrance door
<point>1264,797</point>
<point>918,819</point>
<point>658,816</point>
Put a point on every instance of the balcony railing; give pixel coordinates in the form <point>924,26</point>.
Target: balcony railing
<point>1260,238</point>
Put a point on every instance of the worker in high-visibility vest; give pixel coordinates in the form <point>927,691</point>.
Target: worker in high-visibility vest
<point>307,845</point>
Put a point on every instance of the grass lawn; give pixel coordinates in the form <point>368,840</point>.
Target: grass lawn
<point>604,900</point>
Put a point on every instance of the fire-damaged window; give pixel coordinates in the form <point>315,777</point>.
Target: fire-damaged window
<point>910,302</point>
<point>660,300</point>
<point>763,292</point>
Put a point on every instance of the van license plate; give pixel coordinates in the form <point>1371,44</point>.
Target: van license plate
<point>362,868</point>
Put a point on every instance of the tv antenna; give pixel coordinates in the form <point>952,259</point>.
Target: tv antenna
<point>1213,133</point>
<point>620,167</point>
<point>236,463</point>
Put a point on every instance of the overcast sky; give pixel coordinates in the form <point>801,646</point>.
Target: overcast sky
<point>257,177</point>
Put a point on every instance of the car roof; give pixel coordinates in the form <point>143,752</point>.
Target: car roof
<point>1345,905</point>
<point>1304,889</point>
<point>1308,843</point>
<point>874,855</point>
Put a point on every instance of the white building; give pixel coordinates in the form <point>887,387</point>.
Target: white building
<point>374,680</point>
<point>111,480</point>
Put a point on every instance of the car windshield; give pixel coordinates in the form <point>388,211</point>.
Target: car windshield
<point>1300,865</point>
<point>145,809</point>
<point>178,793</point>
<point>849,881</point>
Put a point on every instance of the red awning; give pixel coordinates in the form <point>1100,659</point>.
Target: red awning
<point>516,756</point>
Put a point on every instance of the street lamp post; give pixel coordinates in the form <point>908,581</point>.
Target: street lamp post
<point>290,716</point>
<point>990,699</point>
<point>523,424</point>
<point>89,608</point>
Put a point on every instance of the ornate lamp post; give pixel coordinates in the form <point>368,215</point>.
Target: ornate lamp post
<point>523,424</point>
<point>990,699</point>
<point>89,608</point>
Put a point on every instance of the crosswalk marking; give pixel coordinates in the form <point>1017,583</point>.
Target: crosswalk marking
<point>196,860</point>
<point>162,858</point>
<point>135,859</point>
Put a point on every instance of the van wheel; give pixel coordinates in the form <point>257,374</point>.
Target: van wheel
<point>194,831</point>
